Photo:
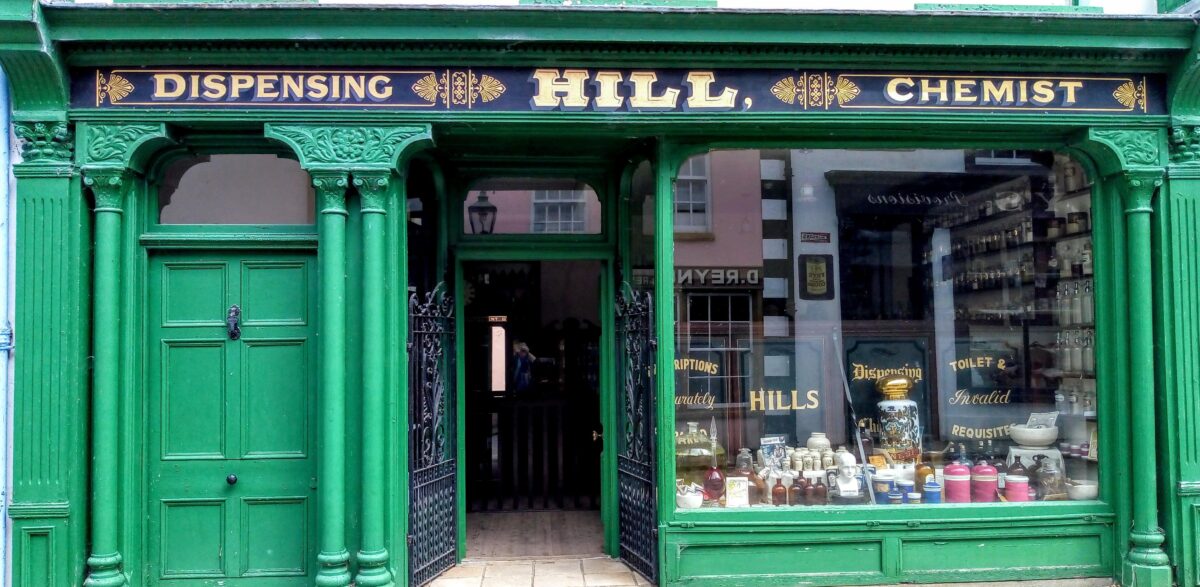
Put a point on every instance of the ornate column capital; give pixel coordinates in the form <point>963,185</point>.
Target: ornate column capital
<point>1115,150</point>
<point>331,191</point>
<point>45,142</point>
<point>350,147</point>
<point>109,186</point>
<point>1137,189</point>
<point>373,187</point>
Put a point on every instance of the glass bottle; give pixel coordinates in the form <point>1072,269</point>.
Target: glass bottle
<point>1087,258</point>
<point>796,491</point>
<point>819,494</point>
<point>714,479</point>
<point>1088,310</point>
<point>745,468</point>
<point>981,456</point>
<point>924,470</point>
<point>1077,353</point>
<point>1017,467</point>
<point>779,493</point>
<point>1076,303</point>
<point>1089,355</point>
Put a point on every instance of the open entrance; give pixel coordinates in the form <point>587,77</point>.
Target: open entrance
<point>532,353</point>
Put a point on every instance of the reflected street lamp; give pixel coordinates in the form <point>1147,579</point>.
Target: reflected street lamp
<point>482,214</point>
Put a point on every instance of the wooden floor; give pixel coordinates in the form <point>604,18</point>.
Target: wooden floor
<point>536,534</point>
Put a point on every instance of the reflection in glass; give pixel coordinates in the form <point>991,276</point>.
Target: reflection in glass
<point>882,327</point>
<point>531,205</point>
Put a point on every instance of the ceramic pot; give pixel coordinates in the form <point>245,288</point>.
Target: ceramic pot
<point>818,442</point>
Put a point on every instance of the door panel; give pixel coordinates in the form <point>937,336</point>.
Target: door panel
<point>230,422</point>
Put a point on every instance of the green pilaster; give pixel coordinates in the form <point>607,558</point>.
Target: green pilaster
<point>333,558</point>
<point>666,170</point>
<point>1131,160</point>
<point>374,187</point>
<point>109,189</point>
<point>48,503</point>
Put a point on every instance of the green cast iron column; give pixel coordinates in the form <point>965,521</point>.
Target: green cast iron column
<point>1146,537</point>
<point>104,562</point>
<point>373,187</point>
<point>333,558</point>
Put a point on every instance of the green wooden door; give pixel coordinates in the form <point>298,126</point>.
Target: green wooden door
<point>219,408</point>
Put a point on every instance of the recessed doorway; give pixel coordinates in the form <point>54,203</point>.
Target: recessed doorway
<point>532,412</point>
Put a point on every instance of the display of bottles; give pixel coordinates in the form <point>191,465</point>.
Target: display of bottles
<point>819,493</point>
<point>923,473</point>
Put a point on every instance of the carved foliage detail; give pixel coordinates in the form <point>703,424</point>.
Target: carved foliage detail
<point>331,191</point>
<point>45,142</point>
<point>1137,147</point>
<point>113,143</point>
<point>373,188</point>
<point>332,145</point>
<point>108,187</point>
<point>1185,145</point>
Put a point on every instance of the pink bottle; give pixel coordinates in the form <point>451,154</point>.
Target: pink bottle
<point>958,483</point>
<point>984,482</point>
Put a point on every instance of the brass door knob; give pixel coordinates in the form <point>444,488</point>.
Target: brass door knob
<point>596,436</point>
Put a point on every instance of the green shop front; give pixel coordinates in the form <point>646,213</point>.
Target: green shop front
<point>335,295</point>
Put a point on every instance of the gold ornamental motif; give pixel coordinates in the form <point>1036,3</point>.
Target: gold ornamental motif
<point>458,88</point>
<point>489,88</point>
<point>1132,95</point>
<point>815,90</point>
<point>785,90</point>
<point>115,88</point>
<point>427,88</point>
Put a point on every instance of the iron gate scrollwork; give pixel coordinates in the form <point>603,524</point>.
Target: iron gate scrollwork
<point>432,538</point>
<point>637,488</point>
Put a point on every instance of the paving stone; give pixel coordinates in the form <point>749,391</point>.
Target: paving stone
<point>609,579</point>
<point>603,565</point>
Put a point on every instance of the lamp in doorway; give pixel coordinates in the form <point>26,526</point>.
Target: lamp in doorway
<point>482,214</point>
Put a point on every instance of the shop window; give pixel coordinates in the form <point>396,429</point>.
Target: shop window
<point>691,196</point>
<point>235,189</point>
<point>559,211</point>
<point>879,327</point>
<point>531,205</point>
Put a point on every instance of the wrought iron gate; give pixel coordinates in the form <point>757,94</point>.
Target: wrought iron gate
<point>432,528</point>
<point>637,490</point>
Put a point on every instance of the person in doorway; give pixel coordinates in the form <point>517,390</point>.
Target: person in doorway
<point>522,367</point>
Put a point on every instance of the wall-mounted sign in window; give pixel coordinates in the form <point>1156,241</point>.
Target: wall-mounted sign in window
<point>816,277</point>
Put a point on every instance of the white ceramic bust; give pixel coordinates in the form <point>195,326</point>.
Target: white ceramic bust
<point>847,481</point>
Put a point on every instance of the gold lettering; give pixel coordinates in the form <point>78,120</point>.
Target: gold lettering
<point>379,87</point>
<point>160,85</point>
<point>607,83</point>
<point>962,91</point>
<point>565,89</point>
<point>355,87</point>
<point>240,82</point>
<point>939,88</point>
<point>1070,88</point>
<point>266,86</point>
<point>813,399</point>
<point>214,87</point>
<point>1043,92</point>
<point>1001,93</point>
<point>318,87</point>
<point>195,86</point>
<point>894,93</point>
<point>1023,91</point>
<point>293,87</point>
<point>643,97</point>
<point>700,96</point>
<point>757,402</point>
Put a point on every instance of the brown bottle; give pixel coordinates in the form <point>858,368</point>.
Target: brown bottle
<point>796,491</point>
<point>819,495</point>
<point>1017,467</point>
<point>810,492</point>
<point>924,469</point>
<point>779,493</point>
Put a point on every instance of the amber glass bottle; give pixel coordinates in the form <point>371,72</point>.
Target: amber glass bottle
<point>819,494</point>
<point>924,469</point>
<point>745,468</point>
<point>779,493</point>
<point>796,491</point>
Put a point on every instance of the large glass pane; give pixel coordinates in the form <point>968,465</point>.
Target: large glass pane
<point>879,327</point>
<point>531,205</point>
<point>235,189</point>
